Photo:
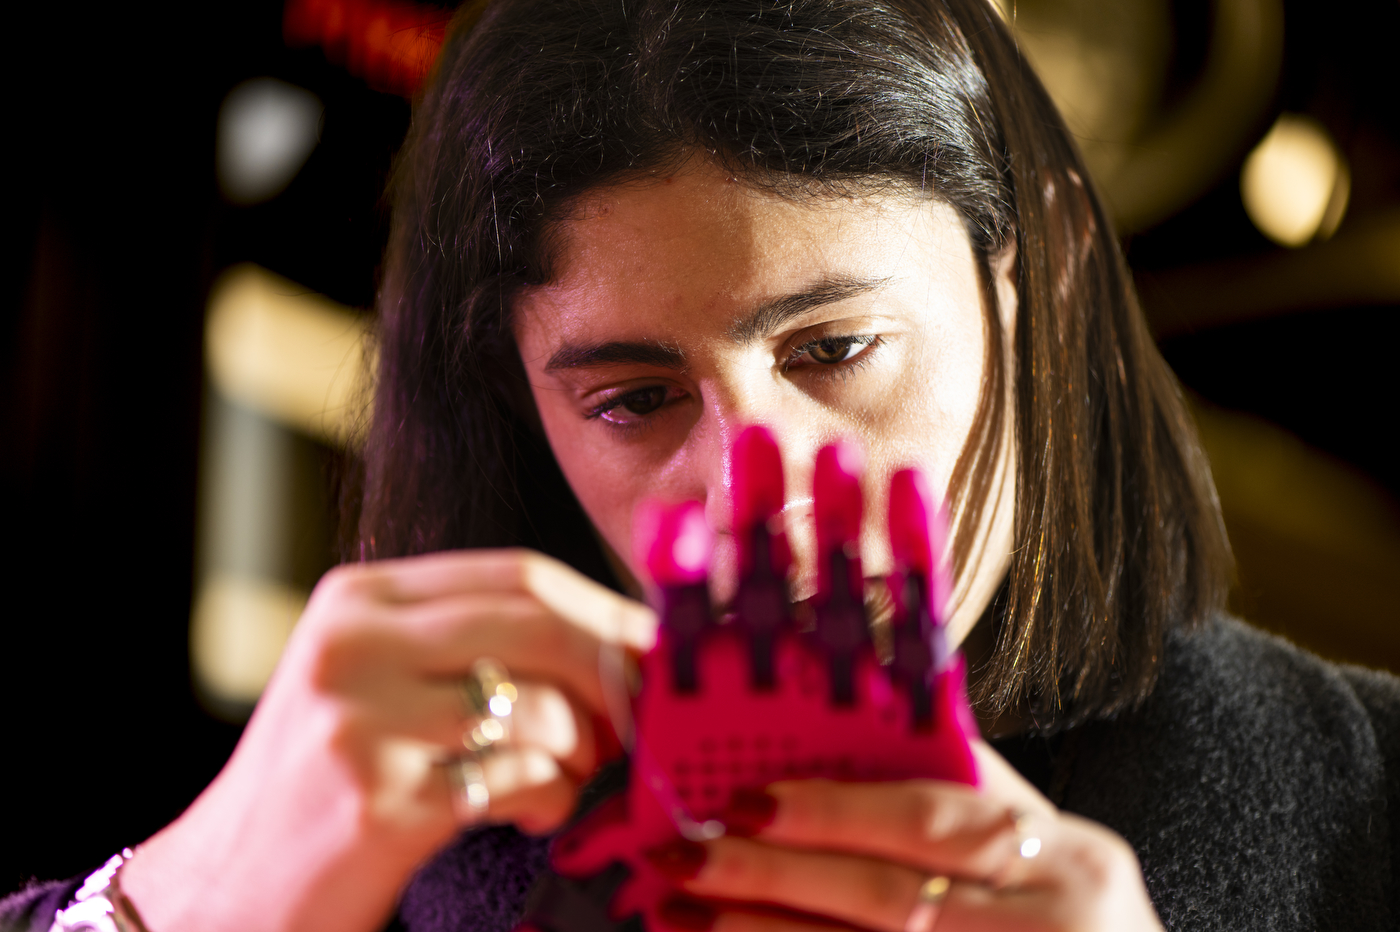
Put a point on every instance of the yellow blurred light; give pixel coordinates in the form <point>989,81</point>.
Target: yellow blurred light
<point>1295,184</point>
<point>290,354</point>
<point>239,626</point>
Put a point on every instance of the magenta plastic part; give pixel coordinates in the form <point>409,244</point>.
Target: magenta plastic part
<point>841,626</point>
<point>836,498</point>
<point>911,535</point>
<point>757,493</point>
<point>674,542</point>
<point>922,587</point>
<point>757,477</point>
<point>675,545</point>
<point>696,742</point>
<point>919,535</point>
<point>761,604</point>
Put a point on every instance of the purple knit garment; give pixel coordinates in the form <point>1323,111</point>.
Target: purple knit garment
<point>32,909</point>
<point>476,884</point>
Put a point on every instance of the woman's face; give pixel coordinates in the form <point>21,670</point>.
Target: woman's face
<point>686,307</point>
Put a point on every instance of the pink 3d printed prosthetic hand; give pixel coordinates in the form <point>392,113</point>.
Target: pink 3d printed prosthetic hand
<point>726,707</point>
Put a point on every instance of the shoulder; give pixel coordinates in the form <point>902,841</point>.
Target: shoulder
<point>1235,681</point>
<point>1253,784</point>
<point>1379,693</point>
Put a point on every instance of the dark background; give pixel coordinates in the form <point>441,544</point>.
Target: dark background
<point>118,230</point>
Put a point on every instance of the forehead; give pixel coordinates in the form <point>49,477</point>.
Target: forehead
<point>696,243</point>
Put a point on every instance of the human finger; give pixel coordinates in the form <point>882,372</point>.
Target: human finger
<point>966,908</point>
<point>443,638</point>
<point>522,785</point>
<point>688,914</point>
<point>884,896</point>
<point>608,615</point>
<point>869,892</point>
<point>541,716</point>
<point>931,825</point>
<point>545,718</point>
<point>1049,870</point>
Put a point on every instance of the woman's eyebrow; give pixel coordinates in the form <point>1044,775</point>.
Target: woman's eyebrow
<point>574,356</point>
<point>767,318</point>
<point>772,314</point>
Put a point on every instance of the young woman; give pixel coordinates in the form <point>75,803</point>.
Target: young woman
<point>624,230</point>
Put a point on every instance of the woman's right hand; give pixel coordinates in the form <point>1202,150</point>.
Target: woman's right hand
<point>338,789</point>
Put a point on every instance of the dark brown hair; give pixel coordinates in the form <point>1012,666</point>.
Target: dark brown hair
<point>1118,534</point>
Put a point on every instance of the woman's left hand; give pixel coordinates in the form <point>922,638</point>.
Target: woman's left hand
<point>859,854</point>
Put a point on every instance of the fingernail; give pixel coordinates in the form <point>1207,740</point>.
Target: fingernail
<point>749,812</point>
<point>687,915</point>
<point>679,859</point>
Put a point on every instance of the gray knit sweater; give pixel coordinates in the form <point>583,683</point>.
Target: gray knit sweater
<point>1257,786</point>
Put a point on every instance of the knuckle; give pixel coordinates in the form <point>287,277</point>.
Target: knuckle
<point>336,584</point>
<point>341,585</point>
<point>517,567</point>
<point>532,571</point>
<point>1100,862</point>
<point>880,886</point>
<point>555,639</point>
<point>811,804</point>
<point>735,870</point>
<point>335,651</point>
<point>927,817</point>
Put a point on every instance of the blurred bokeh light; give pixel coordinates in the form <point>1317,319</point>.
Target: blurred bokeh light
<point>287,371</point>
<point>267,129</point>
<point>1296,184</point>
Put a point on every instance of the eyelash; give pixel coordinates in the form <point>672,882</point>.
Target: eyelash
<point>632,427</point>
<point>839,370</point>
<point>836,370</point>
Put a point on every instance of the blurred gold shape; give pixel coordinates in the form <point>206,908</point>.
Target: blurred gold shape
<point>1105,64</point>
<point>288,353</point>
<point>1295,184</point>
<point>237,631</point>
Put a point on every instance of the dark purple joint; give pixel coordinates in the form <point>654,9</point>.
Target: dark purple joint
<point>920,649</point>
<point>685,613</point>
<point>842,628</point>
<point>761,607</point>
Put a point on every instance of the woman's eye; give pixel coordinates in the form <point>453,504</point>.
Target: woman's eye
<point>632,406</point>
<point>828,351</point>
<point>642,401</point>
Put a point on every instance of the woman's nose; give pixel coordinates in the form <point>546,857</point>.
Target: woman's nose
<point>715,455</point>
<point>724,420</point>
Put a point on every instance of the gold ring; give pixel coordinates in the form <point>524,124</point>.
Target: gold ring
<point>490,697</point>
<point>932,892</point>
<point>470,796</point>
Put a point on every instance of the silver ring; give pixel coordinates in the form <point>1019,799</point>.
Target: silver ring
<point>932,892</point>
<point>1027,842</point>
<point>490,697</point>
<point>470,796</point>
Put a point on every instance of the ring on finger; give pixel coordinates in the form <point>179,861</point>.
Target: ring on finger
<point>932,892</point>
<point>1027,839</point>
<point>470,796</point>
<point>490,697</point>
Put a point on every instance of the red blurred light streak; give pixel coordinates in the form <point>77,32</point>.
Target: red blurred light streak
<point>391,45</point>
